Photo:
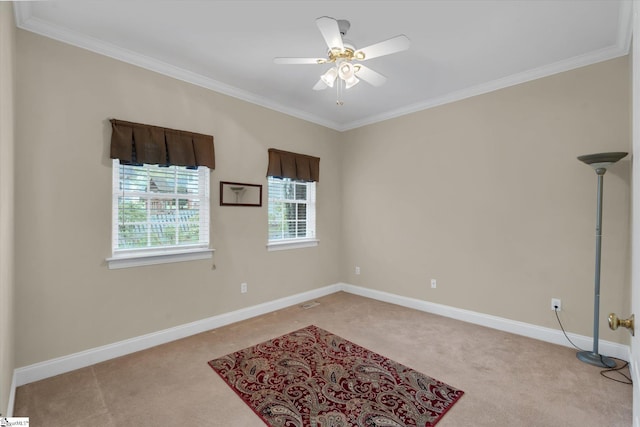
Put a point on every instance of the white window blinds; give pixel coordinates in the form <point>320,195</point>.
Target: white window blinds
<point>159,208</point>
<point>292,209</point>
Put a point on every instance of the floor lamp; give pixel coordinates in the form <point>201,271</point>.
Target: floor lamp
<point>599,162</point>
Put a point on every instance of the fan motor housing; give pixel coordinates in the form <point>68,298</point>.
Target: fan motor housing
<point>349,53</point>
<point>343,26</point>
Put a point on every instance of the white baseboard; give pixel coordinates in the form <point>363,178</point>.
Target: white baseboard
<point>12,396</point>
<point>60,365</point>
<point>550,335</point>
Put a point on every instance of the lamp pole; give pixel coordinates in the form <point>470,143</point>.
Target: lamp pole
<point>599,162</point>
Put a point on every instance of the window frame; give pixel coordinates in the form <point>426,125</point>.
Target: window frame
<point>133,257</point>
<point>311,205</point>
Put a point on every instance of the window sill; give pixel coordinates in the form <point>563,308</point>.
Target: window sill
<point>153,258</point>
<point>291,244</point>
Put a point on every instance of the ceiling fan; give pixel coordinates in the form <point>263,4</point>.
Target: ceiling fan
<point>345,57</point>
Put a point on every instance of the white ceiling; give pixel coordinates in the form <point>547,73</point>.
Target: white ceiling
<point>458,48</point>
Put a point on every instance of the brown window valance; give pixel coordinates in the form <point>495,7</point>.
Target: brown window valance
<point>135,143</point>
<point>284,164</point>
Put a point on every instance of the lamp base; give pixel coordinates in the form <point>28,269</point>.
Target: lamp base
<point>596,359</point>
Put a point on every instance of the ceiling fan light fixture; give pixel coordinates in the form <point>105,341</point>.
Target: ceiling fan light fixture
<point>330,76</point>
<point>351,82</point>
<point>346,71</point>
<point>345,58</point>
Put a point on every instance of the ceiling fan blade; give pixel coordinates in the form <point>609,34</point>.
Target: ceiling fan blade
<point>331,32</point>
<point>320,85</point>
<point>294,61</point>
<point>368,75</point>
<point>387,47</point>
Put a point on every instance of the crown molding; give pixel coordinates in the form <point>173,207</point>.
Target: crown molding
<point>512,80</point>
<point>625,26</point>
<point>26,21</point>
<point>621,48</point>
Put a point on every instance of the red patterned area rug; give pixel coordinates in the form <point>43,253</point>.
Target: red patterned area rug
<point>312,377</point>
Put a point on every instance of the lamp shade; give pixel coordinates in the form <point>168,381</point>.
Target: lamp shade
<point>346,70</point>
<point>602,160</point>
<point>351,82</point>
<point>330,76</point>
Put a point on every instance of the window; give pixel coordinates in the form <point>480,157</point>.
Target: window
<point>292,213</point>
<point>160,214</point>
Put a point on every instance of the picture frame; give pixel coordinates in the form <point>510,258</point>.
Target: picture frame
<point>240,194</point>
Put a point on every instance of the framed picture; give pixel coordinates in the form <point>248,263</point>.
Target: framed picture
<point>240,194</point>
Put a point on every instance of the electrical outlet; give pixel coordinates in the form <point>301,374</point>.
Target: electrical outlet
<point>556,302</point>
<point>243,288</point>
<point>357,270</point>
<point>433,283</point>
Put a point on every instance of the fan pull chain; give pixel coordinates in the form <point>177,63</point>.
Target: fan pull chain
<point>339,92</point>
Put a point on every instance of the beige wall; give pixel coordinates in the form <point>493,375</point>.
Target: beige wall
<point>486,196</point>
<point>68,300</point>
<point>7,64</point>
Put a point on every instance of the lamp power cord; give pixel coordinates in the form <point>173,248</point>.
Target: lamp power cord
<point>605,372</point>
